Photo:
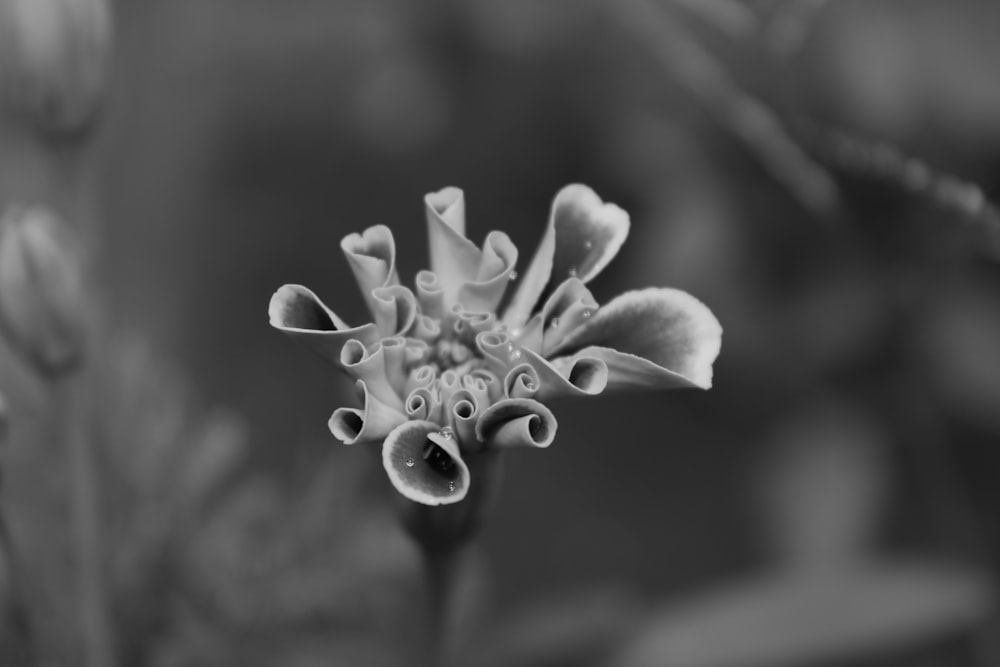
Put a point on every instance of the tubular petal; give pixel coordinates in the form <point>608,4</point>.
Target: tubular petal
<point>372,423</point>
<point>371,369</point>
<point>394,309</point>
<point>297,312</point>
<point>462,413</point>
<point>454,259</point>
<point>430,296</point>
<point>425,466</point>
<point>580,376</point>
<point>651,338</point>
<point>394,350</point>
<point>583,235</point>
<point>372,257</point>
<point>484,294</point>
<point>516,422</point>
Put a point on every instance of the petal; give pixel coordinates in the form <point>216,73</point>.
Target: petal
<point>462,413</point>
<point>494,388</point>
<point>395,353</point>
<point>372,257</point>
<point>521,382</point>
<point>430,295</point>
<point>372,423</point>
<point>296,311</point>
<point>655,338</point>
<point>394,309</point>
<point>499,256</point>
<point>578,376</point>
<point>583,235</point>
<point>517,422</point>
<point>570,306</point>
<point>371,369</point>
<point>423,465</point>
<point>454,259</point>
<point>423,403</point>
<point>421,376</point>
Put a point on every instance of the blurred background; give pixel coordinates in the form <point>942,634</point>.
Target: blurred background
<point>803,167</point>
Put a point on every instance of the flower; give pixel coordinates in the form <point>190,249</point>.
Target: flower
<point>42,301</point>
<point>445,380</point>
<point>53,59</point>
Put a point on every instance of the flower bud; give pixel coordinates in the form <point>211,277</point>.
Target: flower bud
<point>53,59</point>
<point>42,309</point>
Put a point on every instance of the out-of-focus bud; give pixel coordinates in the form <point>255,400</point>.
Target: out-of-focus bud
<point>54,59</point>
<point>42,304</point>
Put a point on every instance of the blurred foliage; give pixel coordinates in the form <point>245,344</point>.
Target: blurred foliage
<point>818,172</point>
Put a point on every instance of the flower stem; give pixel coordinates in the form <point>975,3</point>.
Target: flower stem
<point>440,566</point>
<point>93,609</point>
<point>16,611</point>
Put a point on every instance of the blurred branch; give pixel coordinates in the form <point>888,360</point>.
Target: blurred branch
<point>790,26</point>
<point>885,163</point>
<point>728,16</point>
<point>744,116</point>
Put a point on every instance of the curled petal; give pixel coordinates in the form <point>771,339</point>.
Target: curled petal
<point>454,259</point>
<point>448,384</point>
<point>516,422</point>
<point>462,412</point>
<point>430,296</point>
<point>467,324</point>
<point>297,312</point>
<point>478,387</point>
<point>394,309</point>
<point>372,257</point>
<point>496,348</point>
<point>425,466</point>
<point>579,376</point>
<point>521,382</point>
<point>371,369</point>
<point>417,352</point>
<point>394,351</point>
<point>655,338</point>
<point>427,329</point>
<point>569,306</point>
<point>421,376</point>
<point>372,423</point>
<point>494,388</point>
<point>499,256</point>
<point>423,403</point>
<point>583,235</point>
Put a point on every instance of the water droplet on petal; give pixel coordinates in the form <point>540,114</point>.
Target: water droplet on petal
<point>554,323</point>
<point>515,355</point>
<point>513,275</point>
<point>447,433</point>
<point>572,272</point>
<point>587,245</point>
<point>451,486</point>
<point>410,463</point>
<point>516,333</point>
<point>587,313</point>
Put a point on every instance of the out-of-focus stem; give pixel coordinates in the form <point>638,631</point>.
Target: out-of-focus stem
<point>93,609</point>
<point>17,608</point>
<point>441,566</point>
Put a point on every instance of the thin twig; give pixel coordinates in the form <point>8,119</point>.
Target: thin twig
<point>743,115</point>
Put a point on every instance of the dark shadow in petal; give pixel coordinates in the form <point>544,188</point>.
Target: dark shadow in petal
<point>424,465</point>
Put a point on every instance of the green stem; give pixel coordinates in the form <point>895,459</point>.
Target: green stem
<point>93,608</point>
